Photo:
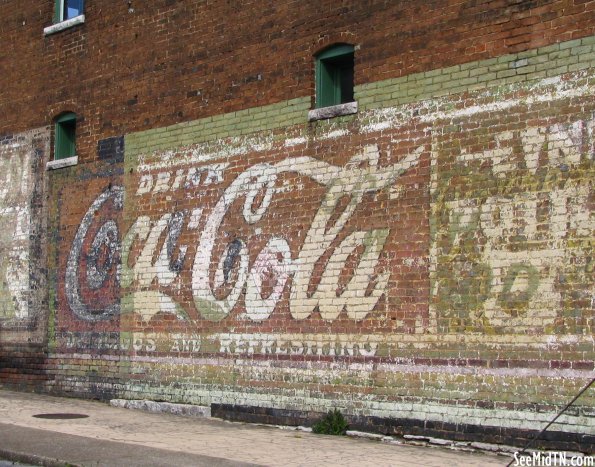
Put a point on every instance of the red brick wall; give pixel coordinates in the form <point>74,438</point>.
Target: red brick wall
<point>162,62</point>
<point>425,265</point>
<point>422,262</point>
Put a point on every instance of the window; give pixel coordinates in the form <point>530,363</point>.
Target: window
<point>65,136</point>
<point>334,76</point>
<point>64,142</point>
<point>68,9</point>
<point>67,14</point>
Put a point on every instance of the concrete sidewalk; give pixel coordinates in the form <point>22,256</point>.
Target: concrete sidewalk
<point>119,437</point>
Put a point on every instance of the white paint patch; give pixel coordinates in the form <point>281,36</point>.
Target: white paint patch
<point>394,117</point>
<point>335,134</point>
<point>16,185</point>
<point>291,142</point>
<point>195,218</point>
<point>200,153</point>
<point>416,262</point>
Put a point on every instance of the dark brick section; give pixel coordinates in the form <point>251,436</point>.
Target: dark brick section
<point>111,148</point>
<point>267,415</point>
<point>551,440</point>
<point>6,139</point>
<point>93,388</point>
<point>22,367</point>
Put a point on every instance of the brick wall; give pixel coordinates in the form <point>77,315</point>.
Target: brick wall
<point>192,59</point>
<point>427,261</point>
<point>424,265</point>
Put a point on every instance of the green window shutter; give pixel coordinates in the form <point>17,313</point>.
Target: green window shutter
<point>334,76</point>
<point>65,136</point>
<point>325,86</point>
<point>57,11</point>
<point>335,51</point>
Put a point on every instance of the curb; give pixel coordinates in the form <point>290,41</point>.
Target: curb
<point>185,410</point>
<point>23,457</point>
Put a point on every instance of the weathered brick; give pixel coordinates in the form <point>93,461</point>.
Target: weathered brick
<point>424,264</point>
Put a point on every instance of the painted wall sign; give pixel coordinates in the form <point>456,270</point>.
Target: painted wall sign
<point>162,257</point>
<point>411,221</point>
<point>21,220</point>
<point>518,234</point>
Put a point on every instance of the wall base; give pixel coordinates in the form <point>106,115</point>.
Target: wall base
<point>550,440</point>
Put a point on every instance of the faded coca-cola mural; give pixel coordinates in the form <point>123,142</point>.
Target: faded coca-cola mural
<point>338,242</point>
<point>291,250</point>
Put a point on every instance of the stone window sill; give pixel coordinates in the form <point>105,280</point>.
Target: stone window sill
<point>332,111</point>
<point>61,26</point>
<point>61,163</point>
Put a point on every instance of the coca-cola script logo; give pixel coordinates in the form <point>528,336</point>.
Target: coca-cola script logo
<point>162,261</point>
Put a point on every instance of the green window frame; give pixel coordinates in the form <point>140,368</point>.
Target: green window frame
<point>65,136</point>
<point>67,9</point>
<point>334,75</point>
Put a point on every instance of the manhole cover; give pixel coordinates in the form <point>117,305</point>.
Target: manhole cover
<point>60,416</point>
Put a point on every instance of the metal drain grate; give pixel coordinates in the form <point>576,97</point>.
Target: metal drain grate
<point>60,416</point>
